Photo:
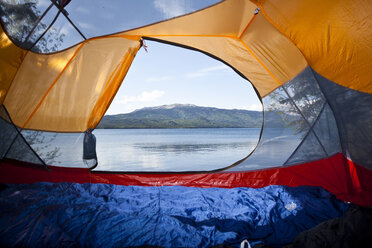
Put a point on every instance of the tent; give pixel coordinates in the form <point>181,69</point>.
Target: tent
<point>309,60</point>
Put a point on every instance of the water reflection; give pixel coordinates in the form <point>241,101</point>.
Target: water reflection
<point>187,148</point>
<point>173,149</point>
<point>149,149</point>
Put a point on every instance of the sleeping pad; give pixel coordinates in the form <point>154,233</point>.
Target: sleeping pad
<point>104,215</point>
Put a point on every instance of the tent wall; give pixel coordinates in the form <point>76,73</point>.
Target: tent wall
<point>11,57</point>
<point>334,36</point>
<point>309,130</point>
<point>353,112</point>
<point>13,144</point>
<point>269,47</point>
<point>67,91</point>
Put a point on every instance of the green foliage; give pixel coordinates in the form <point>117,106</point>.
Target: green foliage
<point>308,102</point>
<point>187,116</point>
<point>43,146</point>
<point>21,21</point>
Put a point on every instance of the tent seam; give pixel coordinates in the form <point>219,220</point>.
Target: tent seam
<point>343,148</point>
<point>280,30</point>
<point>311,130</point>
<point>19,134</point>
<point>107,82</point>
<point>37,23</point>
<point>45,31</point>
<point>190,35</point>
<point>259,61</point>
<point>246,28</point>
<point>306,120</point>
<point>114,72</point>
<point>52,85</point>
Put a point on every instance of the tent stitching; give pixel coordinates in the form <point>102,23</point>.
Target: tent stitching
<point>113,73</point>
<point>263,65</point>
<point>52,85</point>
<point>46,30</point>
<point>65,14</point>
<point>38,21</point>
<point>249,23</point>
<point>311,130</point>
<point>276,26</point>
<point>306,120</point>
<point>343,149</point>
<point>19,134</point>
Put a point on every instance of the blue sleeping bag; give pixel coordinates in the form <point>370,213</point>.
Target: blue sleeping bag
<point>103,215</point>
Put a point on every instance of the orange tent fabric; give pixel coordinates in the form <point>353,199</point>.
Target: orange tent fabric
<point>69,91</point>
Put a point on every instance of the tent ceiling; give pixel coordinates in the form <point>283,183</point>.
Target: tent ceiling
<point>96,17</point>
<point>91,18</point>
<point>269,48</point>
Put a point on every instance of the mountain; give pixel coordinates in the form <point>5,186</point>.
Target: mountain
<point>184,116</point>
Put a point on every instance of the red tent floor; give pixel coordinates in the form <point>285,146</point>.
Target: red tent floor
<point>340,176</point>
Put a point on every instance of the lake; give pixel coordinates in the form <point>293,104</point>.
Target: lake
<point>173,149</point>
<point>198,149</point>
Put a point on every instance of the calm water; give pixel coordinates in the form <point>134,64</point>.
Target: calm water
<point>173,149</point>
<point>169,149</point>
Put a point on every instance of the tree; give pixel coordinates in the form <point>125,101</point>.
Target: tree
<point>305,100</point>
<point>42,145</point>
<point>25,26</point>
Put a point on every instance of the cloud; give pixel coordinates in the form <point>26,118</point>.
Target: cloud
<point>170,9</point>
<point>158,79</point>
<point>205,71</point>
<point>128,108</point>
<point>215,68</point>
<point>196,74</point>
<point>85,25</point>
<point>82,10</point>
<point>145,96</point>
<point>256,107</point>
<point>66,30</point>
<point>43,4</point>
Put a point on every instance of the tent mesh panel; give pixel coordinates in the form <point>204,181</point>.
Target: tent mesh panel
<point>327,131</point>
<point>309,129</point>
<point>8,132</point>
<point>276,144</point>
<point>22,19</point>
<point>306,94</point>
<point>12,143</point>
<point>58,149</point>
<point>59,36</point>
<point>309,150</point>
<point>22,152</point>
<point>353,113</point>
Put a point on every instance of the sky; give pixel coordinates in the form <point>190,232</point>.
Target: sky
<point>168,74</point>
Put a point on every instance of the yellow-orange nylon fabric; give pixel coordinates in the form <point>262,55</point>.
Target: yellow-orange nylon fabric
<point>274,50</point>
<point>335,36</point>
<point>226,31</point>
<point>70,90</point>
<point>11,58</point>
<point>59,92</point>
<point>31,82</point>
